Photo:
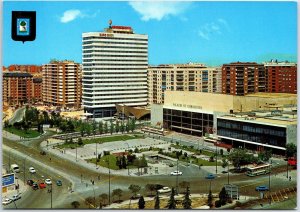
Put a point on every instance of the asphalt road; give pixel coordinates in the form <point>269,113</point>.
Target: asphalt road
<point>57,168</point>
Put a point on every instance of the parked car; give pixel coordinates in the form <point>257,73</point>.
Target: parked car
<point>16,197</point>
<point>58,183</point>
<point>35,186</point>
<point>164,190</point>
<point>32,170</point>
<point>6,201</point>
<point>42,185</point>
<point>262,188</point>
<point>210,176</point>
<point>175,173</point>
<point>30,182</point>
<point>48,181</point>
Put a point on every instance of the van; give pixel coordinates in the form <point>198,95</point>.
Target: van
<point>15,168</point>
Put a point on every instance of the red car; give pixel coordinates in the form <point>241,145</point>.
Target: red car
<point>42,185</point>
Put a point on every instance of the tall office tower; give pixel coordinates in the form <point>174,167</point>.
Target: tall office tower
<point>62,83</point>
<point>242,78</point>
<point>17,88</point>
<point>181,77</point>
<point>281,77</point>
<point>115,66</point>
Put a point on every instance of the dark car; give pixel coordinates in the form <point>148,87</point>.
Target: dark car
<point>30,182</point>
<point>262,188</point>
<point>210,176</point>
<point>35,186</point>
<point>58,183</point>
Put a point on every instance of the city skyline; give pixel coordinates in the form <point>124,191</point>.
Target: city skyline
<point>205,32</point>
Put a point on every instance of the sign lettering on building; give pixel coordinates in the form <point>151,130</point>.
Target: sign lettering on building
<point>187,106</point>
<point>105,35</point>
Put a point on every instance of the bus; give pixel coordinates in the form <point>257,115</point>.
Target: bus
<point>258,170</point>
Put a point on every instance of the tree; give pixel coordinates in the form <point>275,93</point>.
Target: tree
<point>117,127</point>
<point>172,202</point>
<point>223,196</point>
<point>134,189</point>
<point>90,201</point>
<point>117,192</point>
<point>291,150</point>
<point>100,127</point>
<point>141,202</point>
<point>127,127</point>
<point>111,128</point>
<point>209,199</point>
<point>157,202</point>
<point>94,126</point>
<point>150,188</point>
<point>187,202</point>
<point>124,163</point>
<point>103,198</point>
<point>82,130</point>
<point>105,127</point>
<point>143,162</point>
<point>184,184</point>
<point>88,129</point>
<point>75,204</point>
<point>224,163</point>
<point>122,127</point>
<point>240,157</point>
<point>80,141</point>
<point>265,155</point>
<point>132,124</point>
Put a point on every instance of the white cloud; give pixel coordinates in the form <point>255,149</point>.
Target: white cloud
<point>210,29</point>
<point>158,10</point>
<point>70,15</point>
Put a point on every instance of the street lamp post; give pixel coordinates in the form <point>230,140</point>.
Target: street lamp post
<point>108,181</point>
<point>128,152</point>
<point>96,153</point>
<point>177,177</point>
<point>51,191</point>
<point>270,184</point>
<point>216,159</point>
<point>228,171</point>
<point>24,165</point>
<point>76,152</point>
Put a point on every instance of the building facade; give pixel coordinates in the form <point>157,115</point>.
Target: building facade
<point>281,77</point>
<point>181,77</point>
<point>62,84</point>
<point>242,78</point>
<point>17,88</point>
<point>37,89</point>
<point>115,66</point>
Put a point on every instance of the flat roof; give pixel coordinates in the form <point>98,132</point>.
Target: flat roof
<point>271,95</point>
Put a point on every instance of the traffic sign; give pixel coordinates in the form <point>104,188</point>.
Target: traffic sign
<point>8,180</point>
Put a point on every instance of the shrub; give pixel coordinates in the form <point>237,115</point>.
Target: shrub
<point>218,203</point>
<point>238,204</point>
<point>106,153</point>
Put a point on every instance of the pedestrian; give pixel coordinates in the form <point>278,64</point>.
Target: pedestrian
<point>290,178</point>
<point>93,182</point>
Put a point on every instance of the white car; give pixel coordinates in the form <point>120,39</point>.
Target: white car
<point>175,173</point>
<point>16,197</point>
<point>48,182</point>
<point>32,170</point>
<point>6,201</point>
<point>164,190</point>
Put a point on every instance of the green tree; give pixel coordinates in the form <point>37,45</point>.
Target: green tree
<point>171,201</point>
<point>291,150</point>
<point>143,162</point>
<point>82,130</point>
<point>240,157</point>
<point>132,125</point>
<point>223,196</point>
<point>100,127</point>
<point>141,202</point>
<point>111,128</point>
<point>117,192</point>
<point>88,129</point>
<point>90,201</point>
<point>134,189</point>
<point>122,128</point>
<point>127,127</point>
<point>117,127</point>
<point>103,198</point>
<point>150,188</point>
<point>105,127</point>
<point>75,204</point>
<point>184,184</point>
<point>94,127</point>
<point>124,162</point>
<point>265,155</point>
<point>157,202</point>
<point>80,141</point>
<point>210,199</point>
<point>187,202</point>
<point>224,163</point>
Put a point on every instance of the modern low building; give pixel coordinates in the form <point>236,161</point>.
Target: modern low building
<point>198,113</point>
<point>242,78</point>
<point>115,66</point>
<point>281,77</point>
<point>62,84</point>
<point>182,77</point>
<point>17,88</point>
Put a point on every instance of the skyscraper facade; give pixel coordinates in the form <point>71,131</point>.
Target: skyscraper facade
<point>115,66</point>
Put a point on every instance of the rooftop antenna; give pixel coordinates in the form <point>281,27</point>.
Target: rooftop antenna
<point>110,22</point>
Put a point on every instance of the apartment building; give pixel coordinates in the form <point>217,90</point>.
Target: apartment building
<point>181,77</point>
<point>115,66</point>
<point>37,89</point>
<point>17,88</point>
<point>242,78</point>
<point>281,77</point>
<point>62,83</point>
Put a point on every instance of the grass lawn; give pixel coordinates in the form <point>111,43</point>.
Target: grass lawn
<point>22,133</point>
<point>203,152</point>
<point>112,162</point>
<point>102,140</point>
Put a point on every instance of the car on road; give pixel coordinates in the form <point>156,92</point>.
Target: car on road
<point>175,173</point>
<point>262,188</point>
<point>48,182</point>
<point>32,170</point>
<point>42,185</point>
<point>35,186</point>
<point>210,176</point>
<point>16,197</point>
<point>6,201</point>
<point>30,182</point>
<point>164,190</point>
<point>58,183</point>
